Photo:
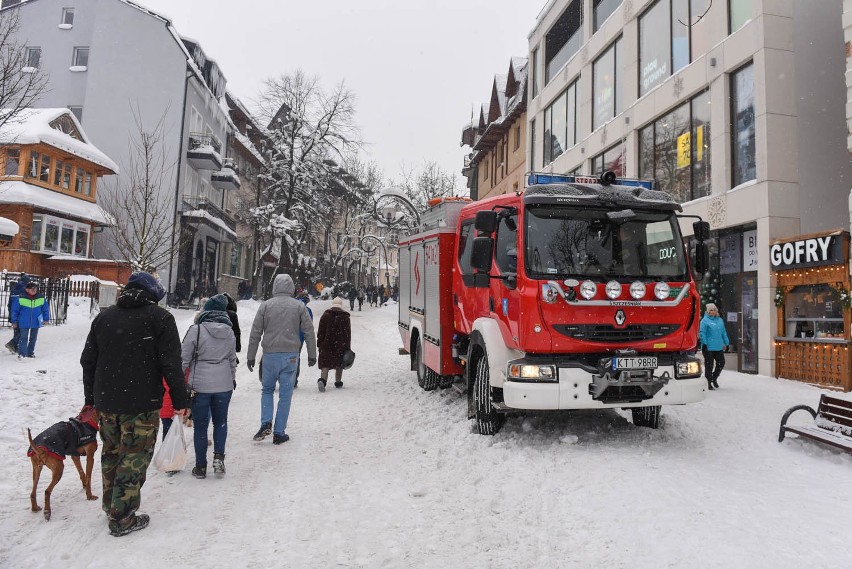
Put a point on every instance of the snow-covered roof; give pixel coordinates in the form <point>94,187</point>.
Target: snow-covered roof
<point>41,198</point>
<point>8,227</point>
<point>200,213</point>
<point>33,126</point>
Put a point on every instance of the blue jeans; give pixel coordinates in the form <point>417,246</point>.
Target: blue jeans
<point>27,341</point>
<point>278,367</point>
<point>205,405</point>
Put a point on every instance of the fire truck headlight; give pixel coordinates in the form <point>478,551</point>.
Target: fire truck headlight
<point>613,289</point>
<point>588,290</point>
<point>661,290</point>
<point>688,368</point>
<point>531,372</point>
<point>637,290</point>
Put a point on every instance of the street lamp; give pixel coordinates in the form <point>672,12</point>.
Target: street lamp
<point>387,210</point>
<point>368,244</point>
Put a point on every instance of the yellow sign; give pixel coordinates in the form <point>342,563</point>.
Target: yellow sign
<point>684,147</point>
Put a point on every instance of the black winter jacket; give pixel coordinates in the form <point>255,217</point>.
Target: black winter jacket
<point>131,348</point>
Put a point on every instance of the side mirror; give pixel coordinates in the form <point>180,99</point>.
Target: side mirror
<point>486,221</point>
<point>701,230</point>
<point>483,252</point>
<point>702,259</point>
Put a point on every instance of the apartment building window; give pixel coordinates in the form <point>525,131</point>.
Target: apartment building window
<point>532,145</point>
<point>739,12</point>
<point>67,17</point>
<point>603,9</point>
<point>13,159</point>
<point>534,74</point>
<point>33,57</point>
<point>607,91</point>
<point>77,111</point>
<point>57,173</point>
<point>560,120</point>
<point>674,150</point>
<point>81,57</point>
<point>744,166</point>
<point>44,172</point>
<point>485,169</point>
<point>78,181</point>
<point>611,160</point>
<point>564,39</point>
<point>517,137</point>
<point>671,34</point>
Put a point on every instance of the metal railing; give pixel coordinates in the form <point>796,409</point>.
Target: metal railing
<point>198,140</point>
<point>193,202</point>
<point>55,291</point>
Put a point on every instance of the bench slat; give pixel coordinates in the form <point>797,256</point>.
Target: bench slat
<point>822,435</point>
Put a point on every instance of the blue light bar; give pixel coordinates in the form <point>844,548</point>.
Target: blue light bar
<point>536,179</point>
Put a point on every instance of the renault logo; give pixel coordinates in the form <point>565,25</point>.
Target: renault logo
<point>620,317</point>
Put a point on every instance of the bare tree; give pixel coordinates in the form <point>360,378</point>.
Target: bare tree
<point>430,181</point>
<point>21,80</point>
<point>141,201</point>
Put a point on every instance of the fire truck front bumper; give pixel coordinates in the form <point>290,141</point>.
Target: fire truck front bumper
<point>576,388</point>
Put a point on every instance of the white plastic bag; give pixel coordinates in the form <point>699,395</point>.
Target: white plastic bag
<point>171,455</point>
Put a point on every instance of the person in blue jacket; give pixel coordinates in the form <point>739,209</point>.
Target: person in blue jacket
<point>714,344</point>
<point>29,313</point>
<point>15,292</point>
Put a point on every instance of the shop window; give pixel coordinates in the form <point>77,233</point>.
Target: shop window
<point>66,238</point>
<point>564,39</point>
<point>743,130</point>
<point>814,311</point>
<point>81,241</point>
<point>560,120</point>
<point>611,160</point>
<point>674,150</point>
<point>36,235</point>
<point>607,94</point>
<point>13,159</point>
<point>51,236</point>
<point>603,9</point>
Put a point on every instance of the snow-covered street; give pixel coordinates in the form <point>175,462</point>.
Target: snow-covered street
<point>383,474</point>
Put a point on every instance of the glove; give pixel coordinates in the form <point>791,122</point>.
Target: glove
<point>250,365</point>
<point>312,362</point>
<point>727,349</point>
<point>14,324</point>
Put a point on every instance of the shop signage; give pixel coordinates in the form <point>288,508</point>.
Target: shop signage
<point>750,250</point>
<point>813,252</point>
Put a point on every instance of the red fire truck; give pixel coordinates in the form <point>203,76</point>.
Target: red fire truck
<point>576,293</point>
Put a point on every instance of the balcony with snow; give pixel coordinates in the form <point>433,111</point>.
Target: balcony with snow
<point>228,177</point>
<point>204,152</point>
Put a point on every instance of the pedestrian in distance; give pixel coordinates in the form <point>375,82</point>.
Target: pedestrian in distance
<point>714,342</point>
<point>381,295</point>
<point>360,299</point>
<point>209,353</point>
<point>29,313</point>
<point>15,291</point>
<point>333,338</point>
<point>130,348</point>
<point>352,295</point>
<point>278,322</point>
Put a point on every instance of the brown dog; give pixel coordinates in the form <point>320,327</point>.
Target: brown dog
<point>76,437</point>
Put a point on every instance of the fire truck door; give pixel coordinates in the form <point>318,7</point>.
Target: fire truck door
<point>506,298</point>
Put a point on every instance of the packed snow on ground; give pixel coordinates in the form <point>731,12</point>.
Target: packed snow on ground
<point>383,474</point>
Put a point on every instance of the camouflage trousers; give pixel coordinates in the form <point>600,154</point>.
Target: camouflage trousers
<point>128,445</point>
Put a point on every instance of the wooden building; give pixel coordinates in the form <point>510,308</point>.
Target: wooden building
<point>813,303</point>
<point>48,186</point>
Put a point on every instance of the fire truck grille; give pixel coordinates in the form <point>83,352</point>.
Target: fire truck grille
<point>606,333</point>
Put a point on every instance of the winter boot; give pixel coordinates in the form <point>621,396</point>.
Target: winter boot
<point>338,384</point>
<point>200,472</point>
<point>321,385</point>
<point>295,384</point>
<point>715,383</point>
<point>710,384</point>
<point>278,439</point>
<point>218,464</point>
<point>140,521</point>
<point>12,347</point>
<point>265,431</point>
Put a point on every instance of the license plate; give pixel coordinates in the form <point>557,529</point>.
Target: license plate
<point>639,362</point>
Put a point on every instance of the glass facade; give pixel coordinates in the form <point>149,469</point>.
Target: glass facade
<point>603,9</point>
<point>743,167</point>
<point>560,120</point>
<point>654,47</point>
<point>612,160</point>
<point>607,94</point>
<point>739,12</point>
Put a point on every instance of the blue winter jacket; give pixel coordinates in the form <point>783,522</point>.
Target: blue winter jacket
<point>30,312</point>
<point>18,290</point>
<point>712,333</point>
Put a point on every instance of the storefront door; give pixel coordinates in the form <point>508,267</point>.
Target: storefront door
<point>748,328</point>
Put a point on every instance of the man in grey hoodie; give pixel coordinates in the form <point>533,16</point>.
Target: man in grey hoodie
<point>278,321</point>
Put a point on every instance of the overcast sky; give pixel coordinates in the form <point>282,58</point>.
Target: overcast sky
<point>416,66</point>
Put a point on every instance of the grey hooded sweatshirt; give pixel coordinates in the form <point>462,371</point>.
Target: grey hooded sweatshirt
<point>215,368</point>
<point>279,319</point>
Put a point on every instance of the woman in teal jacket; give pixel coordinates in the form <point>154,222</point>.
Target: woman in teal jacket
<point>29,313</point>
<point>714,341</point>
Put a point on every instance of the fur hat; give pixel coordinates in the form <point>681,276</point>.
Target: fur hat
<point>710,306</point>
<point>147,282</point>
<point>337,301</point>
<point>217,302</point>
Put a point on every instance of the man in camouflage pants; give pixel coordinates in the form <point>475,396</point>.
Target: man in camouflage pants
<point>131,347</point>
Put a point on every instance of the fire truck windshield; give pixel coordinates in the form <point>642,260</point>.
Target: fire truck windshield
<point>580,242</point>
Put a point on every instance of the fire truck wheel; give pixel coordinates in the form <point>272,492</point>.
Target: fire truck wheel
<point>488,420</point>
<point>430,382</point>
<point>419,364</point>
<point>646,416</point>
<point>445,381</point>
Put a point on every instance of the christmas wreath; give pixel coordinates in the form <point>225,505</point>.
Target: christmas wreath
<point>843,294</point>
<point>779,296</point>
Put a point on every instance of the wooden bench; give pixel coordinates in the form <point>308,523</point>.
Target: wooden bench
<point>832,423</point>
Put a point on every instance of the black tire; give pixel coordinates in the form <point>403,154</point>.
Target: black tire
<point>446,381</point>
<point>430,381</point>
<point>419,365</point>
<point>488,420</point>
<point>647,416</point>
